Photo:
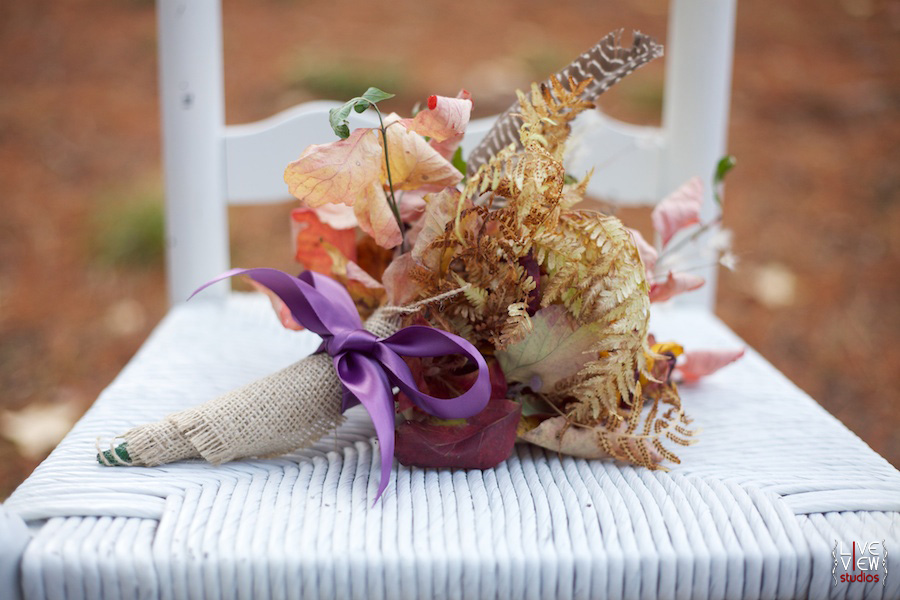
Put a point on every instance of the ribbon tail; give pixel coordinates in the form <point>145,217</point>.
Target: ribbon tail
<point>322,311</point>
<point>364,379</point>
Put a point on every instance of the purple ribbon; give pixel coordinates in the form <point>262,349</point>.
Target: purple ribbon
<point>368,366</point>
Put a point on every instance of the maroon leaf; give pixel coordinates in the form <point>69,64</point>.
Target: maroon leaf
<point>485,440</point>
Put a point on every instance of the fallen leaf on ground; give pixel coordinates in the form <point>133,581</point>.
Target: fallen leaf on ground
<point>38,428</point>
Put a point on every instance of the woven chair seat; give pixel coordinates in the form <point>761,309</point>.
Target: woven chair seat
<point>753,511</point>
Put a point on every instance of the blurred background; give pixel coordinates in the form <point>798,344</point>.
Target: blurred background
<point>814,202</point>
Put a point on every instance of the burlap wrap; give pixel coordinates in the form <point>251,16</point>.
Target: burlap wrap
<point>279,413</point>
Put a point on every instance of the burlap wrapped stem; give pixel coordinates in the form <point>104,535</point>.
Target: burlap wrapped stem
<point>359,364</point>
<point>289,409</point>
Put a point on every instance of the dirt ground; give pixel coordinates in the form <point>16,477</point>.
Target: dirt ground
<point>814,203</point>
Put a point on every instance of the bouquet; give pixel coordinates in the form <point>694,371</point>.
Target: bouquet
<point>467,304</point>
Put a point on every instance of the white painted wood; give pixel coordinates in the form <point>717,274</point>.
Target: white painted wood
<point>626,159</point>
<point>193,119</point>
<point>699,52</point>
<point>257,153</point>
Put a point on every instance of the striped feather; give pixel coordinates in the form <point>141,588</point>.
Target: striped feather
<point>606,63</point>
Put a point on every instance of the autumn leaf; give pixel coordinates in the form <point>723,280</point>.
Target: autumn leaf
<point>582,442</point>
<point>367,293</point>
<point>413,162</point>
<point>376,218</point>
<point>338,216</point>
<point>340,172</point>
<point>675,283</point>
<point>281,310</point>
<point>692,366</point>
<point>444,121</point>
<point>648,253</point>
<point>309,232</point>
<point>399,287</point>
<point>678,210</point>
<point>412,206</point>
<point>439,210</point>
<point>486,440</point>
<point>556,348</point>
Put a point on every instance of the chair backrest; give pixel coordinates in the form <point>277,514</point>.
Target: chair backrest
<point>208,164</point>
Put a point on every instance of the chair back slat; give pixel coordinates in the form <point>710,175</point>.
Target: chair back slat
<point>209,165</point>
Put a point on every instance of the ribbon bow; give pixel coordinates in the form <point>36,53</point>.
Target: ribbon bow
<point>367,366</point>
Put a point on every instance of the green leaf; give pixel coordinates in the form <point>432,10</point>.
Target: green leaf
<point>374,95</point>
<point>569,179</point>
<point>338,119</point>
<point>726,163</point>
<point>458,162</point>
<point>338,116</point>
<point>371,97</point>
<point>556,348</point>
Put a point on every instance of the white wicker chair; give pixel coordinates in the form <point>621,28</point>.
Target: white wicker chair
<point>754,511</point>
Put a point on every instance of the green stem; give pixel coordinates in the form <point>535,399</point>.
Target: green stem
<point>392,201</point>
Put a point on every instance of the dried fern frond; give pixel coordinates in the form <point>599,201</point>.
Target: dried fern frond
<point>604,64</point>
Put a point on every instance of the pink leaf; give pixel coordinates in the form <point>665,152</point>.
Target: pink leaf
<point>337,216</point>
<point>484,441</point>
<point>678,210</point>
<point>342,171</point>
<point>648,253</point>
<point>376,218</point>
<point>444,118</point>
<point>448,147</point>
<point>675,283</point>
<point>281,309</point>
<point>700,363</point>
<point>412,203</point>
<point>399,286</point>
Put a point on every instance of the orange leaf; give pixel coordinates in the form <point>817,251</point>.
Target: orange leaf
<point>367,293</point>
<point>309,233</point>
